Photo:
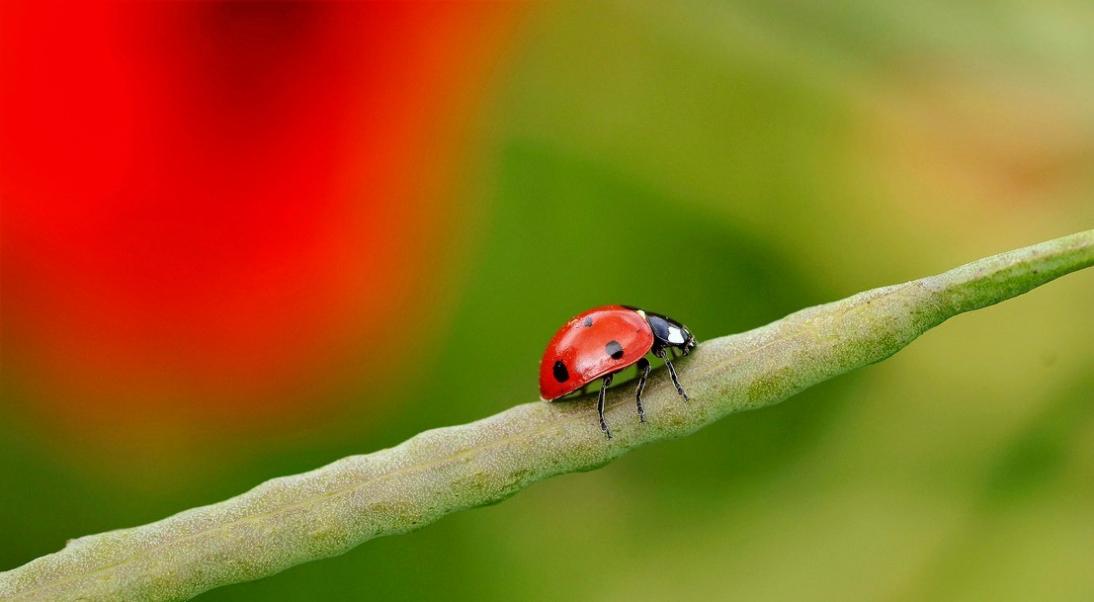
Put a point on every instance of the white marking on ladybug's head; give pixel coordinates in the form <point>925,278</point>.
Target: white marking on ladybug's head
<point>676,336</point>
<point>641,313</point>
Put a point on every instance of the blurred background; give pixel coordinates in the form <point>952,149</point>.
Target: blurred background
<point>243,240</point>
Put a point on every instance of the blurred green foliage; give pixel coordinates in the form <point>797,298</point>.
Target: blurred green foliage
<point>727,164</point>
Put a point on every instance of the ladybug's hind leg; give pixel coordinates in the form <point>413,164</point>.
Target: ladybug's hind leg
<point>607,380</point>
<point>672,372</point>
<point>643,366</point>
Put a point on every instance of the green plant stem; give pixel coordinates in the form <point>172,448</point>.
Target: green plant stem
<point>295,519</point>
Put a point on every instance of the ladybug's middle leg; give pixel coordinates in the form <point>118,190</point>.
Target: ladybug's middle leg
<point>643,366</point>
<point>607,380</point>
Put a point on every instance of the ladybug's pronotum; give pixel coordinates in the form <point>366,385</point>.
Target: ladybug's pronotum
<point>602,341</point>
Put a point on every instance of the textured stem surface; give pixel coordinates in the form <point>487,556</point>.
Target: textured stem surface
<point>290,520</point>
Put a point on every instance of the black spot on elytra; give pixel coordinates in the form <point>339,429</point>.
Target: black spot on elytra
<point>614,349</point>
<point>588,322</point>
<point>561,373</point>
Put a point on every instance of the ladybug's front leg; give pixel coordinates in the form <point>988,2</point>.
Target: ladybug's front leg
<point>607,380</point>
<point>672,372</point>
<point>643,366</point>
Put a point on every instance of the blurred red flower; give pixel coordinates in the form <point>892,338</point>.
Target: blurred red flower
<point>212,209</point>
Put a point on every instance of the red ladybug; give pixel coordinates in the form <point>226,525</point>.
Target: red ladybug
<point>602,341</point>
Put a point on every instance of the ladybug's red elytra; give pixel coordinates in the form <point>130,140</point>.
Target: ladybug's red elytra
<point>598,343</point>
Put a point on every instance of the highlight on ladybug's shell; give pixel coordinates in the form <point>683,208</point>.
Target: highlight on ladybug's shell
<point>600,342</point>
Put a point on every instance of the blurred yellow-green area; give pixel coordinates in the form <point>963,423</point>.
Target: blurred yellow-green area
<point>725,163</point>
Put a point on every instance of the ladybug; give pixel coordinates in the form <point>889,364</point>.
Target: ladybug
<point>602,341</point>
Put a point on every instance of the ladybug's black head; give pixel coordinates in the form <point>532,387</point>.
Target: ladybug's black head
<point>670,333</point>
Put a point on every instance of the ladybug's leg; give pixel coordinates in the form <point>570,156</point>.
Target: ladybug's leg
<point>607,380</point>
<point>672,372</point>
<point>643,373</point>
